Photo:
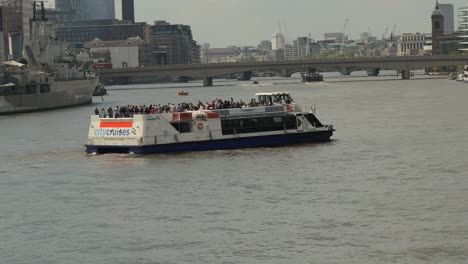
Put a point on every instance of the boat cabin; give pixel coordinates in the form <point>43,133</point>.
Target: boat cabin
<point>274,98</point>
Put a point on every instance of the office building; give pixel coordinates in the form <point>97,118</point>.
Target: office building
<point>301,48</point>
<point>70,10</point>
<point>128,10</point>
<point>278,42</point>
<point>463,27</point>
<point>79,32</point>
<point>77,10</point>
<point>174,43</point>
<point>130,53</point>
<point>100,9</point>
<point>411,44</point>
<point>447,11</point>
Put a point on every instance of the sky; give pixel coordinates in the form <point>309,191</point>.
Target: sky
<point>247,22</point>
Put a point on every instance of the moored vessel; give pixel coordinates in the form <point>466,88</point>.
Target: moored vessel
<point>273,120</point>
<point>50,78</point>
<point>311,76</point>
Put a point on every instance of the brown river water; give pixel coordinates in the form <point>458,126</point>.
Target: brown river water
<point>392,186</point>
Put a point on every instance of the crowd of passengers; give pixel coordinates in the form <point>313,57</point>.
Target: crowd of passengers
<point>218,104</point>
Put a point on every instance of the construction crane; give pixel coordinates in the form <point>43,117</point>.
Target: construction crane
<point>384,36</point>
<point>393,32</point>
<point>6,2</point>
<point>344,36</point>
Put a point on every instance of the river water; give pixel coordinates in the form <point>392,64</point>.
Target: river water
<point>392,187</point>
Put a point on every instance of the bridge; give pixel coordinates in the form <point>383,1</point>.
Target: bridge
<point>344,65</point>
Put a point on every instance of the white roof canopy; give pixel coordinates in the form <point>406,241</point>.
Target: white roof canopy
<point>13,63</point>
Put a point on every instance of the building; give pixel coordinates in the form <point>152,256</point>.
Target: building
<point>447,11</point>
<point>428,46</point>
<point>337,37</point>
<point>100,9</point>
<point>437,29</point>
<point>128,10</point>
<point>278,55</point>
<point>278,42</point>
<point>265,45</point>
<point>174,43</point>
<point>130,53</point>
<point>70,10</point>
<point>365,35</point>
<point>411,44</point>
<point>301,48</point>
<point>77,10</point>
<point>14,27</point>
<point>220,55</point>
<point>80,32</point>
<point>288,52</point>
<point>463,27</point>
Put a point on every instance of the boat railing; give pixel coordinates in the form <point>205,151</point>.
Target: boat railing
<point>291,108</point>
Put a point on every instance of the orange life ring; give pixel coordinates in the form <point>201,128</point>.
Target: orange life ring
<point>200,126</point>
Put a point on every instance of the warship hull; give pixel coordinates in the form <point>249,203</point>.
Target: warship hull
<point>62,94</point>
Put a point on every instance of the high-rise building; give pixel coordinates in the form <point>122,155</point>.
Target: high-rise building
<point>463,27</point>
<point>174,43</point>
<point>100,9</point>
<point>278,42</point>
<point>128,10</point>
<point>76,10</point>
<point>301,48</point>
<point>77,33</point>
<point>447,11</point>
<point>71,10</point>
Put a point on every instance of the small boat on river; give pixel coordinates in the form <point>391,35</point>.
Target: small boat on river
<point>182,93</point>
<point>312,76</point>
<point>276,120</point>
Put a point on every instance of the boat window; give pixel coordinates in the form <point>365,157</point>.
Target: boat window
<point>253,125</point>
<point>182,127</point>
<point>313,120</point>
<point>290,122</point>
<point>30,89</point>
<point>45,88</point>
<point>282,98</point>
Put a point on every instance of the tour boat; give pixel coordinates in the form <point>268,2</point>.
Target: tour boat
<point>278,122</point>
<point>182,93</point>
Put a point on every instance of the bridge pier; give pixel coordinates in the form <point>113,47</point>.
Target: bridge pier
<point>345,71</point>
<point>285,73</point>
<point>405,75</point>
<point>208,81</point>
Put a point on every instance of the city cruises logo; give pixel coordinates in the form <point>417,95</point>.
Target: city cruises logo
<point>115,129</point>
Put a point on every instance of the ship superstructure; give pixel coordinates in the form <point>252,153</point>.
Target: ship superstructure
<point>50,78</point>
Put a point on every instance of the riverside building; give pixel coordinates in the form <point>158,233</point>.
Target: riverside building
<point>174,43</point>
<point>463,27</point>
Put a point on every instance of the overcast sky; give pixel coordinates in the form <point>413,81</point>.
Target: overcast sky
<point>246,22</point>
